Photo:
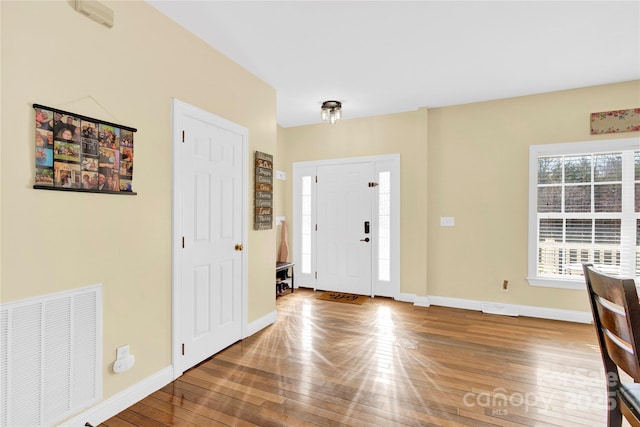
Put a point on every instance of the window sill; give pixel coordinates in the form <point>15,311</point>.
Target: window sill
<point>545,282</point>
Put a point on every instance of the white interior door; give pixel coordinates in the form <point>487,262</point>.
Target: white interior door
<point>343,247</point>
<point>211,260</point>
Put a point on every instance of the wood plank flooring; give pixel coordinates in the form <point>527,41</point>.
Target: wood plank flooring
<point>388,363</point>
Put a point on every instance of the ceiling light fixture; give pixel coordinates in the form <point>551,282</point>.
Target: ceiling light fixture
<point>331,111</point>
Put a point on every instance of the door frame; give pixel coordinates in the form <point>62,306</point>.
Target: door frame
<point>390,162</point>
<point>181,109</point>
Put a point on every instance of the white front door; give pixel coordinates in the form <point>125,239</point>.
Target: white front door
<point>211,260</point>
<point>344,240</point>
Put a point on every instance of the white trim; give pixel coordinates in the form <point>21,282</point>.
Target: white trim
<point>578,285</point>
<point>404,297</point>
<point>261,323</point>
<point>176,215</point>
<point>490,307</point>
<point>501,309</point>
<point>313,163</point>
<point>391,288</point>
<point>308,279</point>
<point>122,400</point>
<point>556,314</point>
<point>180,109</point>
<point>465,304</point>
<point>583,147</point>
<point>422,301</point>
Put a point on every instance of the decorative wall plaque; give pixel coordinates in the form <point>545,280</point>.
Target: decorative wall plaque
<point>79,153</point>
<point>615,121</point>
<point>263,215</point>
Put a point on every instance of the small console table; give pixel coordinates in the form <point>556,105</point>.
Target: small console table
<point>284,266</point>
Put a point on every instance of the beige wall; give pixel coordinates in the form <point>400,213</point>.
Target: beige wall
<point>52,241</point>
<point>469,162</point>
<point>478,173</point>
<point>403,133</point>
<point>280,195</point>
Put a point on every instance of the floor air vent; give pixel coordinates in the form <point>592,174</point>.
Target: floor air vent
<point>50,356</point>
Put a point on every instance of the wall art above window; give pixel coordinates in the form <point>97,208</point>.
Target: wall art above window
<point>79,153</point>
<point>615,121</point>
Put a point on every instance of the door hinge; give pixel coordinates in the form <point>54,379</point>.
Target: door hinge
<point>183,136</point>
<point>183,349</point>
<point>373,184</point>
<point>316,227</point>
<point>316,274</point>
<point>182,242</point>
<point>316,178</point>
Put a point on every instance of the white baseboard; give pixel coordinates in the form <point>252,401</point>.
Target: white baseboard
<point>557,314</point>
<point>261,323</point>
<point>406,297</point>
<point>114,405</point>
<point>422,301</point>
<point>505,309</point>
<point>501,309</point>
<point>418,300</point>
<point>465,304</point>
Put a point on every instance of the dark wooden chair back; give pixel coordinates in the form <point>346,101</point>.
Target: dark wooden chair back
<point>616,314</point>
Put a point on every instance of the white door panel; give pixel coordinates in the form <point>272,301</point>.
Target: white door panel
<point>344,204</point>
<point>211,282</point>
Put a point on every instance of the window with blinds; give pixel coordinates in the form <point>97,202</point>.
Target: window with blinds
<point>584,207</point>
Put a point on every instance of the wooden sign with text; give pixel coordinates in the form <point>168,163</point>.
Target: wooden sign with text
<point>263,217</point>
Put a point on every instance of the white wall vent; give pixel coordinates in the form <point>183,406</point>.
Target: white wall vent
<point>50,356</point>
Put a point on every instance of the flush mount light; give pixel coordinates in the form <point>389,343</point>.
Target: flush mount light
<point>331,111</point>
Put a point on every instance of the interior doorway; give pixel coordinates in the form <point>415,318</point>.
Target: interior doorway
<point>210,232</point>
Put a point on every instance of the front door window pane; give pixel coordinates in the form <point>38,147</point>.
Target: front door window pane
<point>384,226</point>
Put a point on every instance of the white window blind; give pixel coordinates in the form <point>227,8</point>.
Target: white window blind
<point>584,207</point>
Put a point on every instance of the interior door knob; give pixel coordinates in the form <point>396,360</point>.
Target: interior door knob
<point>239,247</point>
<point>366,239</point>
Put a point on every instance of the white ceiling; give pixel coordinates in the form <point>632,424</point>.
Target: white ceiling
<point>381,57</point>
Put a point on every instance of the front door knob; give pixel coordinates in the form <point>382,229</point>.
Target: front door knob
<point>366,239</point>
<point>239,247</point>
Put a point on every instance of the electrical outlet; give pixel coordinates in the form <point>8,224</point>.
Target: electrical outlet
<point>505,286</point>
<point>122,352</point>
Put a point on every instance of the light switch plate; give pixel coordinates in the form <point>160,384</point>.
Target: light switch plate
<point>447,221</point>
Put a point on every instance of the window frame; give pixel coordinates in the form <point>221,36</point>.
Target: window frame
<point>566,148</point>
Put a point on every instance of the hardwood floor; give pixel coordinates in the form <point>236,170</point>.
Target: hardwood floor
<point>387,363</point>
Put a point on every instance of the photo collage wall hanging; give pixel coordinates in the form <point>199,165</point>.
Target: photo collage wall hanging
<point>79,153</point>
